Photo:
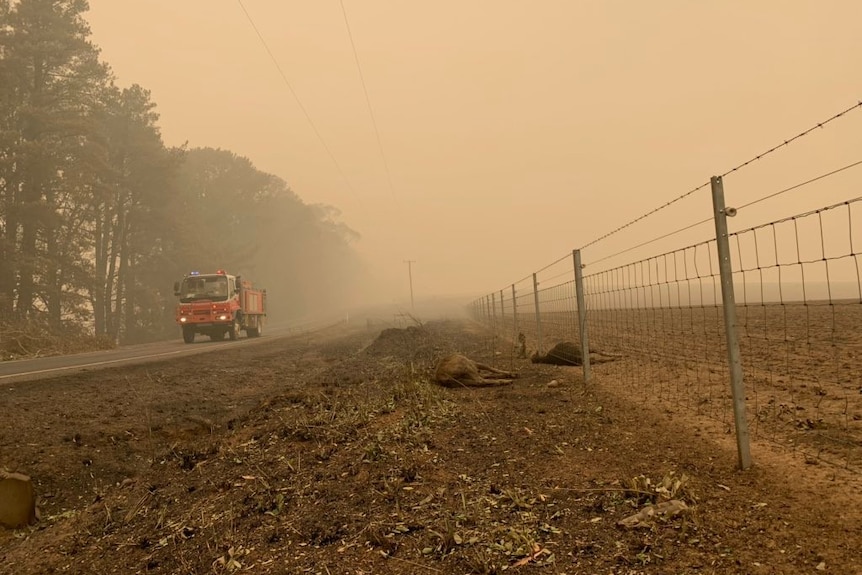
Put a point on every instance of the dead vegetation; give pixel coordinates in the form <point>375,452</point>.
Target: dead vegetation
<point>34,338</point>
<point>347,459</point>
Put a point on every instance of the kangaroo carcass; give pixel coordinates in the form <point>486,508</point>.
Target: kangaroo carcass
<point>564,353</point>
<point>456,370</point>
<point>568,353</point>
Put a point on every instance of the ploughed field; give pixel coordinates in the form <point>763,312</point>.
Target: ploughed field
<point>802,367</point>
<point>332,452</point>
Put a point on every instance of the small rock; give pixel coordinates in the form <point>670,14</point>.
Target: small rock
<point>821,566</point>
<point>554,383</point>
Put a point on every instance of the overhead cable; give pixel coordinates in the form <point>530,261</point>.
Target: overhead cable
<point>293,93</point>
<point>368,100</point>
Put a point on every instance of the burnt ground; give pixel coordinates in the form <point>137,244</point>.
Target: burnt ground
<point>332,453</point>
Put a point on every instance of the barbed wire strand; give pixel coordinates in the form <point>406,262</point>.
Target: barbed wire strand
<point>740,166</point>
<point>764,198</point>
<point>555,262</point>
<point>653,240</point>
<point>294,94</point>
<point>646,215</point>
<point>530,275</point>
<point>796,137</point>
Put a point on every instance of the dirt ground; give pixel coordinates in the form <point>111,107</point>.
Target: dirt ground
<point>333,453</point>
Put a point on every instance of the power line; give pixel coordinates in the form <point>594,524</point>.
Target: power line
<point>293,92</point>
<point>368,99</point>
<point>740,166</point>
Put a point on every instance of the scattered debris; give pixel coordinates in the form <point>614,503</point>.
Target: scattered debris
<point>642,517</point>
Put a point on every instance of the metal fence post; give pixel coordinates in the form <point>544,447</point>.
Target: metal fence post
<point>514,313</point>
<point>539,349</point>
<point>493,310</point>
<point>502,315</point>
<point>728,301</point>
<point>582,315</point>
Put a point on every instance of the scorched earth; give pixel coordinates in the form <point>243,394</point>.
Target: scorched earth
<point>333,452</point>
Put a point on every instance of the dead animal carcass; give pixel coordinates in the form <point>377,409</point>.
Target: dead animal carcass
<point>456,370</point>
<point>564,353</point>
<point>568,353</point>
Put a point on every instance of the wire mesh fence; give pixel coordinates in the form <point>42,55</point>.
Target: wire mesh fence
<point>798,306</point>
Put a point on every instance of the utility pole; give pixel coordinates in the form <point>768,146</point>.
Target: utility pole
<point>410,274</point>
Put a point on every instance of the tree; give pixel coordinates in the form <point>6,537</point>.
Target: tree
<point>98,217</point>
<point>252,223</point>
<point>128,205</point>
<point>51,79</point>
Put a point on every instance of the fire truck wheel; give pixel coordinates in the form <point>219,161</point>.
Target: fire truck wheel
<point>234,330</point>
<point>188,335</point>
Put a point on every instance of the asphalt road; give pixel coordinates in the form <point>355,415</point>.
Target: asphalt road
<point>43,367</point>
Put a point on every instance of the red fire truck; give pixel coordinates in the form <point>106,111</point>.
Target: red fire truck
<point>219,305</point>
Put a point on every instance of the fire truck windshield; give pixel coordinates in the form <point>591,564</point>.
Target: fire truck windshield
<point>213,288</point>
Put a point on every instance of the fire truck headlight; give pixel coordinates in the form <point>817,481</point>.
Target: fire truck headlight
<point>223,316</point>
<point>183,319</point>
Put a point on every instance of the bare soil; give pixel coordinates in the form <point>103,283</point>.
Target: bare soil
<point>333,453</point>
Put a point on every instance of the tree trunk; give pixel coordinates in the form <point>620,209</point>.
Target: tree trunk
<point>9,243</point>
<point>31,196</point>
<point>54,260</point>
<point>100,281</point>
<point>114,295</point>
<point>130,291</point>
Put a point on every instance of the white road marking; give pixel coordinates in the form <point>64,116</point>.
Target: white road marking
<point>106,362</point>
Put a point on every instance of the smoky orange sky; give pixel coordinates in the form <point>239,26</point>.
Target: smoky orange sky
<point>513,131</point>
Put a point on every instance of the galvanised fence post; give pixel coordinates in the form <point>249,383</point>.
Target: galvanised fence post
<point>514,313</point>
<point>539,348</point>
<point>494,313</point>
<point>502,316</point>
<point>582,315</point>
<point>728,302</point>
